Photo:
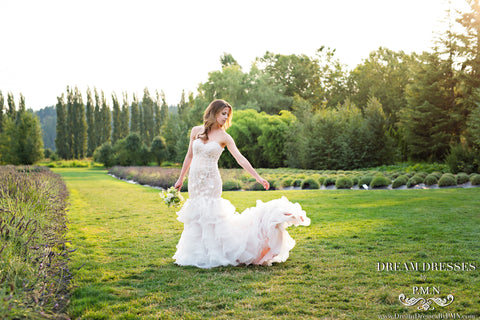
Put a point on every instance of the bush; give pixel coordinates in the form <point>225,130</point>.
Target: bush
<point>287,183</point>
<point>447,180</point>
<point>255,187</point>
<point>365,180</point>
<point>379,181</point>
<point>416,179</point>
<point>475,179</point>
<point>431,179</point>
<point>329,181</point>
<point>230,185</point>
<point>462,178</point>
<point>310,183</point>
<point>344,183</point>
<point>462,159</point>
<point>321,180</point>
<point>297,182</point>
<point>401,180</point>
<point>437,174</point>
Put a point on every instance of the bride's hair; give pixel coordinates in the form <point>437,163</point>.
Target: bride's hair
<point>210,117</point>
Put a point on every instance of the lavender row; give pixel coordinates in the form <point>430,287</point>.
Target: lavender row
<point>34,253</point>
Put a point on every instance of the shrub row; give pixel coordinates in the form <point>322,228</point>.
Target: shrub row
<point>237,179</point>
<point>34,277</point>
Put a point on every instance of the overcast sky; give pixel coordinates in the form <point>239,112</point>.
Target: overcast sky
<point>125,46</point>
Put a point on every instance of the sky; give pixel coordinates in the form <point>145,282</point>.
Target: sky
<point>126,46</point>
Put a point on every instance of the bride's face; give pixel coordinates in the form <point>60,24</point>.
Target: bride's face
<point>222,116</point>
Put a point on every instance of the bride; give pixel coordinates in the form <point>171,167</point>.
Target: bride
<point>214,234</point>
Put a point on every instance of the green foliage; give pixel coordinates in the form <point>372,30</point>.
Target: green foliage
<point>344,183</point>
<point>447,180</point>
<point>341,138</point>
<point>104,154</point>
<point>329,181</point>
<point>379,181</point>
<point>365,180</point>
<point>21,139</point>
<point>401,180</point>
<point>231,185</point>
<point>462,159</point>
<point>431,179</point>
<point>475,179</point>
<point>159,150</point>
<point>462,178</point>
<point>431,121</point>
<point>310,183</point>
<point>415,180</point>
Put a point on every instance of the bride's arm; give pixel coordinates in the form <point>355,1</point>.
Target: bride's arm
<point>244,163</point>
<point>187,161</point>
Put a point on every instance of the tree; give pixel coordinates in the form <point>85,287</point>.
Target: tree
<point>80,126</point>
<point>469,52</point>
<point>148,121</point>
<point>21,140</point>
<point>90,118</point>
<point>385,76</point>
<point>106,121</point>
<point>228,84</point>
<point>135,116</point>
<point>29,145</point>
<point>61,142</point>
<point>116,133</point>
<point>98,120</point>
<point>430,122</point>
<point>2,103</point>
<point>11,111</point>
<point>125,117</point>
<point>159,150</point>
<point>158,115</point>
<point>163,111</point>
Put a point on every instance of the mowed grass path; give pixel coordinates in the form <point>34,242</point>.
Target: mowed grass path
<point>125,238</point>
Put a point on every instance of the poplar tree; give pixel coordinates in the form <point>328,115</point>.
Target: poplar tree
<point>2,102</point>
<point>106,121</point>
<point>148,122</point>
<point>91,139</point>
<point>116,133</point>
<point>158,121</point>
<point>70,123</point>
<point>125,117</point>
<point>21,104</point>
<point>12,110</point>
<point>163,110</point>
<point>135,116</point>
<point>61,139</point>
<point>98,120</point>
<point>80,130</point>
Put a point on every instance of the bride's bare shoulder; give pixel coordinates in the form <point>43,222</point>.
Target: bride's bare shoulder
<point>196,131</point>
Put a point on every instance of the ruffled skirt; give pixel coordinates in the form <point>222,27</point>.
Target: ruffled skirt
<point>215,235</point>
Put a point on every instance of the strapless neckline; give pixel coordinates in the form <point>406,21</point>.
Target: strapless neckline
<point>211,141</point>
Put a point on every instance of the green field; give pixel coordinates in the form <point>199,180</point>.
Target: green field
<point>125,238</point>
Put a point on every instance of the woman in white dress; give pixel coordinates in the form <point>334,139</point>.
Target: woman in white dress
<point>214,234</point>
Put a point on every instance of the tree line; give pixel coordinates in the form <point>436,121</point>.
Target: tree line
<point>304,111</point>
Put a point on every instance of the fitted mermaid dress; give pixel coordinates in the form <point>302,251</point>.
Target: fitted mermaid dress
<point>216,235</point>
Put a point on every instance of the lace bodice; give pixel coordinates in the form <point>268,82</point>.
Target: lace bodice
<point>204,178</point>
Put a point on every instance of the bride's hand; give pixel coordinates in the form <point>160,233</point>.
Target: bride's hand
<point>178,185</point>
<point>264,183</point>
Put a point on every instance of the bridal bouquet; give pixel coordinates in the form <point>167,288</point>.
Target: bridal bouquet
<point>171,197</point>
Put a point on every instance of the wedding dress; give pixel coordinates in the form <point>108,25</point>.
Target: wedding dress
<point>215,235</point>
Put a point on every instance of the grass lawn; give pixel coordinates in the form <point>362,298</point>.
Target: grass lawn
<point>125,238</point>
